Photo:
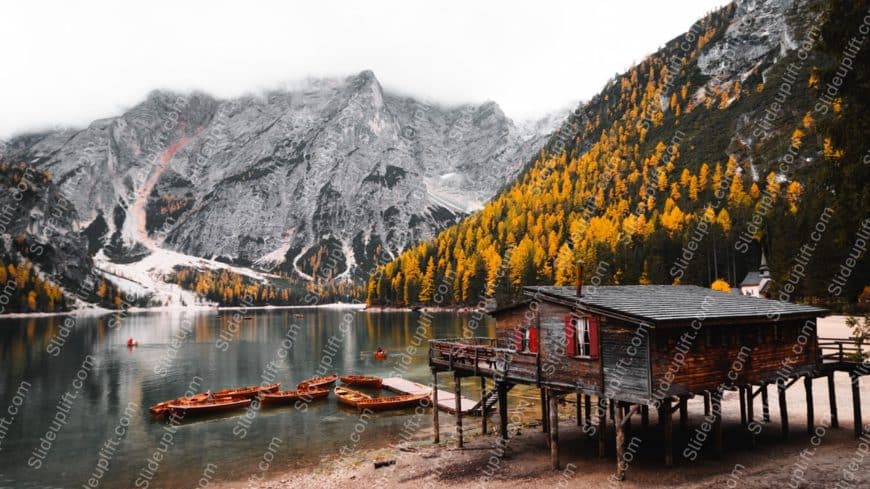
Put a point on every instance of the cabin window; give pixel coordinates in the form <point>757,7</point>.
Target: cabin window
<point>581,336</point>
<point>526,340</point>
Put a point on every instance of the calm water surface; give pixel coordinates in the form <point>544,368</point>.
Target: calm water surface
<point>175,348</point>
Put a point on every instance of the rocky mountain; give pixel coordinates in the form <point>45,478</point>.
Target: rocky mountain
<point>319,180</point>
<point>746,133</point>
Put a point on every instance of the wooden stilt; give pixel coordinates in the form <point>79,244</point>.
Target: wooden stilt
<point>483,405</point>
<point>706,403</point>
<point>716,408</point>
<point>620,441</point>
<point>554,429</point>
<point>742,392</point>
<point>684,413</point>
<point>602,427</point>
<point>436,427</point>
<point>457,391</point>
<point>579,409</point>
<point>502,411</point>
<point>544,415</point>
<point>666,422</point>
<point>856,405</point>
<point>644,416</point>
<point>832,400</point>
<point>811,422</point>
<point>750,414</point>
<point>587,410</point>
<point>783,408</point>
<point>765,405</point>
<point>612,409</point>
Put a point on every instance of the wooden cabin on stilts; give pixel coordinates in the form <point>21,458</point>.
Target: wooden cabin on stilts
<point>624,350</point>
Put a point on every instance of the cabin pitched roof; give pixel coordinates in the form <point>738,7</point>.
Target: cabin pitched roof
<point>665,303</point>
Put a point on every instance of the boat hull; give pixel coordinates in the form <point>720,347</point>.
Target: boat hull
<point>287,397</point>
<point>392,403</point>
<point>362,381</point>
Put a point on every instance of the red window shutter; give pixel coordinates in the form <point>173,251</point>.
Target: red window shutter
<point>570,343</point>
<point>533,340</point>
<point>593,336</point>
<point>518,339</point>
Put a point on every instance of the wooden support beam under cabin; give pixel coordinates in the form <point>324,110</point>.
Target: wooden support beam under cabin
<point>750,414</point>
<point>706,403</point>
<point>644,416</point>
<point>684,413</point>
<point>666,422</point>
<point>544,413</point>
<point>553,410</point>
<point>627,411</point>
<point>811,421</point>
<point>483,405</point>
<point>602,427</point>
<point>783,408</point>
<point>765,405</point>
<point>741,391</point>
<point>620,424</point>
<point>832,400</point>
<point>501,388</point>
<point>716,408</point>
<point>579,409</point>
<point>457,392</point>
<point>856,405</point>
<point>587,410</point>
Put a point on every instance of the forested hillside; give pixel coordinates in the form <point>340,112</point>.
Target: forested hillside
<point>746,133</point>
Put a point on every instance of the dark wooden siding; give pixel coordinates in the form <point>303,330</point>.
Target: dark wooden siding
<point>625,359</point>
<point>556,366</point>
<point>750,353</point>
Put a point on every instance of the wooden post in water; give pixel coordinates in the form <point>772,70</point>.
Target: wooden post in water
<point>502,411</point>
<point>783,407</point>
<point>457,392</point>
<point>684,413</point>
<point>716,407</point>
<point>742,392</point>
<point>602,427</point>
<point>554,429</point>
<point>666,422</point>
<point>811,422</point>
<point>856,405</point>
<point>706,403</point>
<point>832,400</point>
<point>435,425</point>
<point>619,422</point>
<point>765,405</point>
<point>644,416</point>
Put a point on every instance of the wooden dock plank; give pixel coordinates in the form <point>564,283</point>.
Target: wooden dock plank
<point>446,400</point>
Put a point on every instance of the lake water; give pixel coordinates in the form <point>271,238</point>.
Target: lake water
<point>67,405</point>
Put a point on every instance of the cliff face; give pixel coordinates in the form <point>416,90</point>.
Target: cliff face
<point>339,168</point>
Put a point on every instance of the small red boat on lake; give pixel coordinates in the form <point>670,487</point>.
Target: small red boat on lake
<point>208,406</point>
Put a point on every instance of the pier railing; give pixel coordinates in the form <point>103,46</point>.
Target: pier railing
<point>841,350</point>
<point>482,356</point>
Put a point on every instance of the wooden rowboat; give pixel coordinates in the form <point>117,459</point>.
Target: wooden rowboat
<point>317,382</point>
<point>162,408</point>
<point>249,392</point>
<point>393,402</point>
<point>286,397</point>
<point>362,381</point>
<point>350,396</point>
<point>208,406</point>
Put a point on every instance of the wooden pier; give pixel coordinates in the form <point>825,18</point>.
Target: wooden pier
<point>446,400</point>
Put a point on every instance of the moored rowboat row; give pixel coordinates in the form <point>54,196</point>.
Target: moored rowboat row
<point>307,391</point>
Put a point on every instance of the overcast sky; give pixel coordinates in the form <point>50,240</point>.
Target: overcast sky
<point>68,63</point>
